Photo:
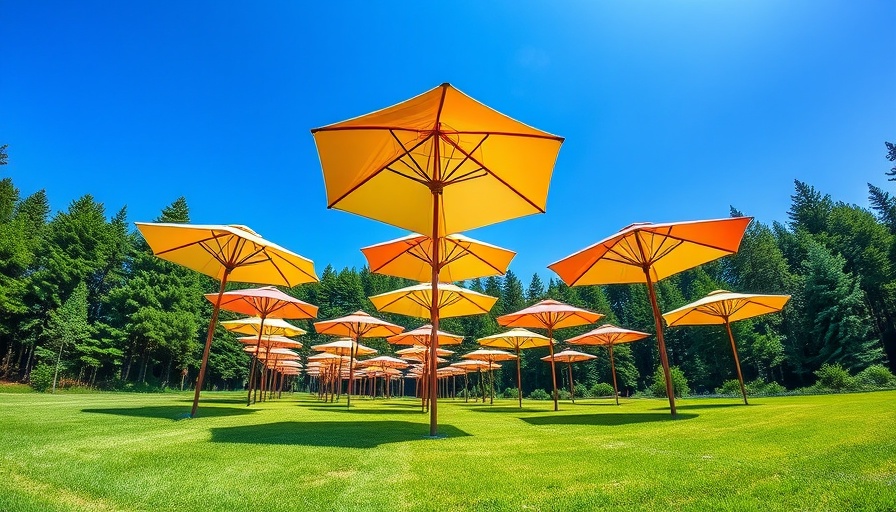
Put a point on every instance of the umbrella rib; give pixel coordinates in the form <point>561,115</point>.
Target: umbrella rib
<point>472,175</point>
<point>214,236</point>
<point>448,176</point>
<point>211,252</point>
<point>489,171</point>
<point>513,134</point>
<point>377,173</point>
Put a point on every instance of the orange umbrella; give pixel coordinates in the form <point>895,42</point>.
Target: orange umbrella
<point>225,252</point>
<point>646,253</point>
<point>608,335</point>
<point>491,357</point>
<point>265,302</point>
<point>421,164</point>
<point>420,349</point>
<point>421,336</point>
<point>550,314</point>
<point>569,357</point>
<point>460,257</point>
<point>724,307</point>
<point>356,325</point>
<point>516,339</point>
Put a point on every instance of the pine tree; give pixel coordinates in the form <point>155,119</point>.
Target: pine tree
<point>535,292</point>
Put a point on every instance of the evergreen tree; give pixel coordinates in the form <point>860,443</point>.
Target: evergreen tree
<point>536,291</point>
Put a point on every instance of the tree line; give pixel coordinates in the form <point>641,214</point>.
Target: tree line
<point>82,289</point>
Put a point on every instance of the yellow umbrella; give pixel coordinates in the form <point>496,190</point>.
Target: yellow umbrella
<point>569,357</point>
<point>225,252</point>
<point>490,356</point>
<point>270,327</point>
<point>724,307</point>
<point>422,349</point>
<point>355,326</point>
<point>460,258</point>
<point>516,339</point>
<point>416,301</point>
<point>608,335</point>
<point>270,341</point>
<point>421,165</point>
<point>421,335</point>
<point>646,253</point>
<point>550,314</point>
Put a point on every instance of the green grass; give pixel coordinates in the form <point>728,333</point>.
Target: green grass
<point>116,451</point>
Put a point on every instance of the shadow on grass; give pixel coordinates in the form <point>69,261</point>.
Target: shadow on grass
<point>213,400</point>
<point>363,434</point>
<point>606,419</point>
<point>356,410</point>
<point>705,406</point>
<point>504,409</point>
<point>173,412</point>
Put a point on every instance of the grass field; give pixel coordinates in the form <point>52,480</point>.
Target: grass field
<point>130,452</point>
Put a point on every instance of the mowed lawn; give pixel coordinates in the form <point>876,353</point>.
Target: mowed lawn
<point>131,452</point>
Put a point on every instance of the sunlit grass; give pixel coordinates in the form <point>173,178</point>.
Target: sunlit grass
<point>131,452</point>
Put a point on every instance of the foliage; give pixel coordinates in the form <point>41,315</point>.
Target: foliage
<point>563,394</point>
<point>510,393</point>
<point>679,382</point>
<point>42,377</point>
<point>540,394</point>
<point>834,377</point>
<point>876,376</point>
<point>601,389</point>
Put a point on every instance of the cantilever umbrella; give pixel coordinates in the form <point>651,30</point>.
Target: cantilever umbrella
<point>608,335</point>
<point>264,302</point>
<point>724,307</point>
<point>460,258</point>
<point>421,164</point>
<point>355,326</point>
<point>491,357</point>
<point>569,357</point>
<point>225,253</point>
<point>550,314</point>
<point>646,253</point>
<point>516,339</point>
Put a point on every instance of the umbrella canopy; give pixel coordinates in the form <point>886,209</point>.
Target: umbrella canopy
<point>356,325</point>
<point>255,325</point>
<point>266,302</point>
<point>724,307</point>
<point>475,364</point>
<point>421,335</point>
<point>383,362</point>
<point>421,349</point>
<point>550,314</point>
<point>225,253</point>
<point>421,164</point>
<point>646,253</point>
<point>459,257</point>
<point>416,301</point>
<point>271,352</point>
<point>344,347</point>
<point>421,358</point>
<point>569,356</point>
<point>270,341</point>
<point>516,339</point>
<point>489,355</point>
<point>609,335</point>
<point>327,358</point>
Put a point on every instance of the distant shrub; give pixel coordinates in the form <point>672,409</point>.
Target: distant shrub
<point>834,377</point>
<point>41,378</point>
<point>773,389</point>
<point>601,389</point>
<point>876,376</point>
<point>510,393</point>
<point>679,383</point>
<point>539,394</point>
<point>563,394</point>
<point>730,387</point>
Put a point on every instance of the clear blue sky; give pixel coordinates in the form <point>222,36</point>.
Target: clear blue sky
<point>671,110</point>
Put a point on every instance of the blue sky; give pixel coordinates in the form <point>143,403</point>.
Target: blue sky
<point>671,110</point>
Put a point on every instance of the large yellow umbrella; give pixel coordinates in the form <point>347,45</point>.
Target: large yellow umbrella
<point>421,164</point>
<point>516,339</point>
<point>608,335</point>
<point>460,258</point>
<point>356,326</point>
<point>265,302</point>
<point>416,301</point>
<point>646,253</point>
<point>724,307</point>
<point>569,357</point>
<point>225,252</point>
<point>550,314</point>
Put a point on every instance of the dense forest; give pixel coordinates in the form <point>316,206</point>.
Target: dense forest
<point>81,288</point>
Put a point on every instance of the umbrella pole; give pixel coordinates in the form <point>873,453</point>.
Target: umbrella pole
<point>660,341</point>
<point>351,374</point>
<point>466,393</point>
<point>436,188</point>
<point>208,342</point>
<point>740,377</point>
<point>519,379</point>
<point>572,386</point>
<point>254,359</point>
<point>339,379</point>
<point>553,371</point>
<point>613,371</point>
